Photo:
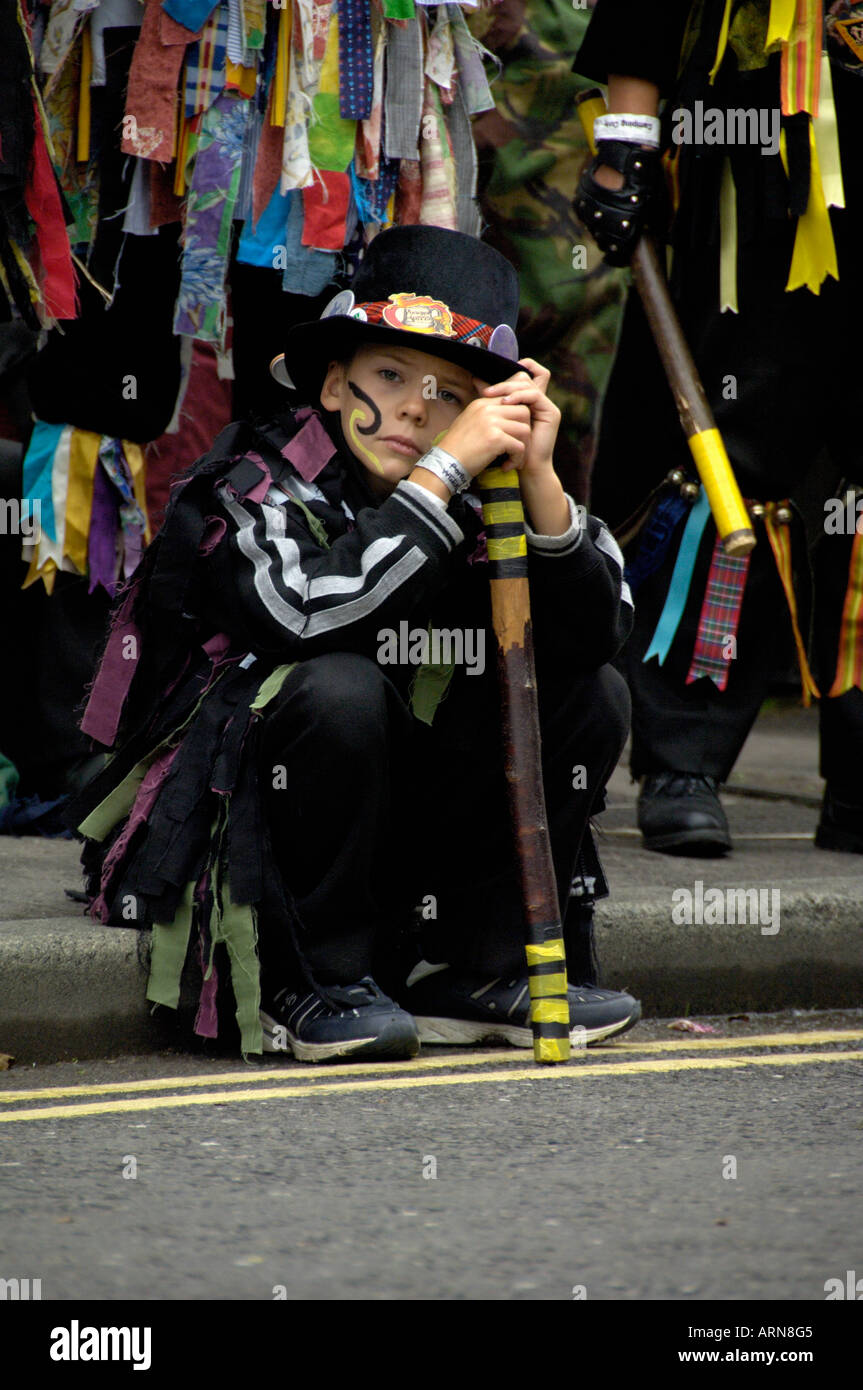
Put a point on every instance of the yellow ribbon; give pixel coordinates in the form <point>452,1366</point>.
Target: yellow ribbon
<point>780,544</point>
<point>279,102</point>
<point>814,255</point>
<point>727,241</point>
<point>827,141</point>
<point>723,41</point>
<point>779,24</point>
<point>83,149</point>
<point>83,461</point>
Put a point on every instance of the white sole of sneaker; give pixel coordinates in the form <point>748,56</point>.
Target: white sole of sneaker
<point>457,1032</point>
<point>325,1052</point>
<point>303,1051</point>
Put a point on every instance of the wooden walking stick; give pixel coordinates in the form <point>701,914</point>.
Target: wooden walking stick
<point>510,606</point>
<point>696,417</point>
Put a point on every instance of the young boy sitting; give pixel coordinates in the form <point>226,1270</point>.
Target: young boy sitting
<point>300,685</point>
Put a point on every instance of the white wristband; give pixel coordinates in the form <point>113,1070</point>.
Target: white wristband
<point>636,130</point>
<point>445,467</point>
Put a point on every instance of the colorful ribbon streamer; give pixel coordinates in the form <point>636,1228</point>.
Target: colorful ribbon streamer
<point>681,579</point>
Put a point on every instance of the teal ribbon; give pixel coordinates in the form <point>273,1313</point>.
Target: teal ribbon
<point>38,474</point>
<point>681,579</point>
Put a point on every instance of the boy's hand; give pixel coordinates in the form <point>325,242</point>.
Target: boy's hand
<point>528,388</point>
<point>485,429</point>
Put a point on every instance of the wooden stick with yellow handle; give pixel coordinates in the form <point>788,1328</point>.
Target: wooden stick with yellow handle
<point>696,417</point>
<point>510,605</point>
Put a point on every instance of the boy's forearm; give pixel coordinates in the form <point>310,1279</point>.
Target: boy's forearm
<point>546,505</point>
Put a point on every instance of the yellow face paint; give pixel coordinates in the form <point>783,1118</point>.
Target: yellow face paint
<point>354,429</point>
<point>357,442</point>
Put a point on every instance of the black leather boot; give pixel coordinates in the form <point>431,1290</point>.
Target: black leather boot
<point>680,813</point>
<point>840,826</point>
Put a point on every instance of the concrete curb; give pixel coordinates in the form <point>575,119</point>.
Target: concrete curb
<point>72,989</point>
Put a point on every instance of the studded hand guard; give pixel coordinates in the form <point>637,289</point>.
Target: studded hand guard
<point>616,218</point>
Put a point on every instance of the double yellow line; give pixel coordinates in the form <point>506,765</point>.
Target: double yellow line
<point>234,1087</point>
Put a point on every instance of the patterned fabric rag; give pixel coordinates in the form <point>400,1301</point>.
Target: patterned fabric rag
<point>356,60</point>
<point>150,125</point>
<point>438,166</point>
<point>213,193</point>
<point>205,64</point>
<point>716,640</point>
<point>780,543</point>
<point>849,659</point>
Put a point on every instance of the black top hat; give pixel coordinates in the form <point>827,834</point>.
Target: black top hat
<point>428,288</point>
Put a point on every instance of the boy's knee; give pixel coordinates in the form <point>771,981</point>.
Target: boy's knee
<point>340,697</point>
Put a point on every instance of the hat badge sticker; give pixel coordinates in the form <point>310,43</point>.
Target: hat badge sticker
<point>418,313</point>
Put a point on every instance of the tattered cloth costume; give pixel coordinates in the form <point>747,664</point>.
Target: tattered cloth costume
<point>765,273</point>
<point>271,780</point>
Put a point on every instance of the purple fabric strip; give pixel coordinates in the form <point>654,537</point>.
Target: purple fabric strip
<point>102,544</point>
<point>260,490</point>
<point>147,793</point>
<point>207,1019</point>
<point>310,450</point>
<point>111,686</point>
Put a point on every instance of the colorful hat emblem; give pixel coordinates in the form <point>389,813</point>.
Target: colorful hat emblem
<point>417,313</point>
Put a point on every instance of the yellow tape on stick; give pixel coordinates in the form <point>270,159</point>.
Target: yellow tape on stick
<point>723,494</point>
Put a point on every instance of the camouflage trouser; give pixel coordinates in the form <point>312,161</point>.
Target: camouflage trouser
<point>532,149</point>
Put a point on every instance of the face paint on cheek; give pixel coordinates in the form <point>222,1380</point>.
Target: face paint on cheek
<point>355,429</point>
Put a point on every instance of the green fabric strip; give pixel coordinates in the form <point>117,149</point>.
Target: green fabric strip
<point>314,523</point>
<point>430,685</point>
<point>399,9</point>
<point>119,802</point>
<point>168,956</point>
<point>235,925</point>
<point>269,688</point>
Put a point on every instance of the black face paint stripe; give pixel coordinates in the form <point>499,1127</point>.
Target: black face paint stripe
<point>366,400</point>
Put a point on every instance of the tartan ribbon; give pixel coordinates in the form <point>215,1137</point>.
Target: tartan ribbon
<point>356,60</point>
<point>462,327</point>
<point>780,543</point>
<point>849,658</point>
<point>720,615</point>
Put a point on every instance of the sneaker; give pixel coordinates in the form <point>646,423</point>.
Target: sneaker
<point>680,813</point>
<point>344,1020</point>
<point>459,1007</point>
<point>840,826</point>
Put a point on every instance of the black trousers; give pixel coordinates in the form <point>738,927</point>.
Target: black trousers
<point>783,381</point>
<point>372,814</point>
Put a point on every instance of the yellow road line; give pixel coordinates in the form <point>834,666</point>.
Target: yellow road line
<point>474,1059</point>
<point>533,1073</point>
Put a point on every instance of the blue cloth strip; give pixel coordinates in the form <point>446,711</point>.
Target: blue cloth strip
<point>655,539</point>
<point>192,14</point>
<point>258,247</point>
<point>38,470</point>
<point>681,579</point>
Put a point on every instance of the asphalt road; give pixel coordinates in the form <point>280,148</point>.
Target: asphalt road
<point>458,1176</point>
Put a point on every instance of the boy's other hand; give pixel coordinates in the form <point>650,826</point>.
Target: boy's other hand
<point>528,388</point>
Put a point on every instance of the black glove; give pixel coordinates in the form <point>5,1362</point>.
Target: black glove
<point>616,218</point>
